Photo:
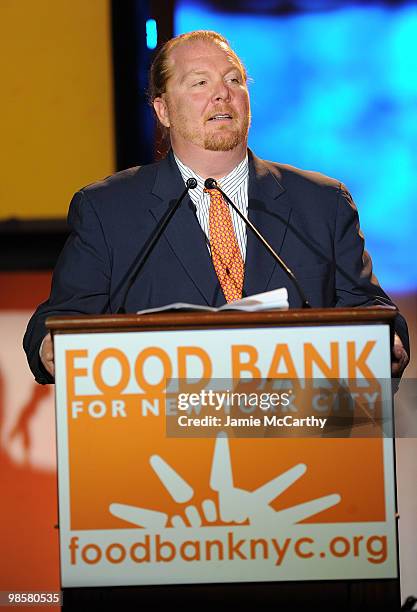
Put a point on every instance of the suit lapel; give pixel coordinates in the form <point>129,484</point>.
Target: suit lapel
<point>269,210</point>
<point>184,234</point>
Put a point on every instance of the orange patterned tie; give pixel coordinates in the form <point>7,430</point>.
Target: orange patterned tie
<point>225,252</point>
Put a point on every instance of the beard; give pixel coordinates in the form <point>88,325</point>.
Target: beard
<point>223,138</point>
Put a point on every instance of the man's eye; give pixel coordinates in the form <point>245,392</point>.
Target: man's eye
<point>235,80</point>
<point>199,83</point>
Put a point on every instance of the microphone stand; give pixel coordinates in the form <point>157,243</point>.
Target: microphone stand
<point>191,183</point>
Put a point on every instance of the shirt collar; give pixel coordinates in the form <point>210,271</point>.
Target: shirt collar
<point>230,184</point>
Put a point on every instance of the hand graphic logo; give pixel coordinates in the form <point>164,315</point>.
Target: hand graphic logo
<point>234,504</point>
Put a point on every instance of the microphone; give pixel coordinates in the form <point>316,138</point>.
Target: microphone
<point>211,183</point>
<point>190,183</point>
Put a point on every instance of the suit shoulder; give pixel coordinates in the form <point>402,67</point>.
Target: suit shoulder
<point>289,175</point>
<point>122,183</point>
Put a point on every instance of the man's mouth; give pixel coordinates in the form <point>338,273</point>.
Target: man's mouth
<point>221,117</point>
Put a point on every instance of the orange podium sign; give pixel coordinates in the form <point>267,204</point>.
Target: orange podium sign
<point>227,498</point>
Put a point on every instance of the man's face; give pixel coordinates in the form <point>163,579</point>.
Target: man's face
<point>207,101</point>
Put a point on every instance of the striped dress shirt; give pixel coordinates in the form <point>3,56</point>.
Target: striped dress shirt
<point>235,185</point>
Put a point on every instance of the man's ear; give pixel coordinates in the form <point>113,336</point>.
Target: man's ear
<point>161,110</point>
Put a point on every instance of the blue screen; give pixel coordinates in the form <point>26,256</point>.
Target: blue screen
<point>336,91</point>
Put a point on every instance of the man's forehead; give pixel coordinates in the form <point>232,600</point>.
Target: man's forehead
<point>184,55</point>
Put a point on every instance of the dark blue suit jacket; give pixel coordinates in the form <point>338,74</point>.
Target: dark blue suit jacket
<point>308,218</point>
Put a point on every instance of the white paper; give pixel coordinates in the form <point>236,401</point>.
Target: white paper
<point>277,299</point>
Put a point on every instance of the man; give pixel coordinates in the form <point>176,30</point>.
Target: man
<point>199,94</point>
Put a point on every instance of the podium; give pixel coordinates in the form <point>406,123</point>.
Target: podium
<point>158,504</point>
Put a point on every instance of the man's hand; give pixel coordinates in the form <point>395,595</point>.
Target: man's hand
<point>400,358</point>
<point>46,354</point>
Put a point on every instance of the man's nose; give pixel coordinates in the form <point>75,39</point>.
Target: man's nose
<point>221,91</point>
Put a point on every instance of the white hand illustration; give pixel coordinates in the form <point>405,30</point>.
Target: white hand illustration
<point>234,504</point>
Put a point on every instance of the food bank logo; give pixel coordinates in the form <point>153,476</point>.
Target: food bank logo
<point>138,496</point>
<point>121,458</point>
<point>235,505</point>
